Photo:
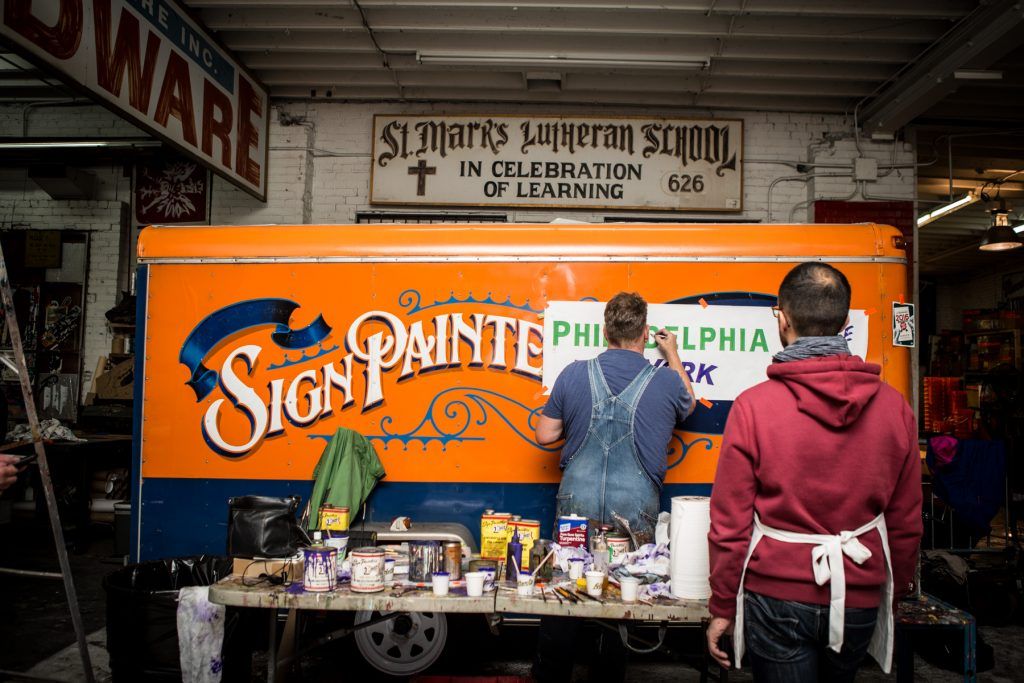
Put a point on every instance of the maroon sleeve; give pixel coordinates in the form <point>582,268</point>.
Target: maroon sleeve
<point>732,511</point>
<point>903,514</point>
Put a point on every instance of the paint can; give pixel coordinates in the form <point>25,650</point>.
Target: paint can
<point>320,569</point>
<point>367,570</point>
<point>494,533</point>
<point>333,518</point>
<point>572,531</point>
<point>425,558</point>
<point>618,547</point>
<point>529,533</point>
<point>453,559</point>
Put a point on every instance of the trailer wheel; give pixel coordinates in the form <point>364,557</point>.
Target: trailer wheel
<point>403,646</point>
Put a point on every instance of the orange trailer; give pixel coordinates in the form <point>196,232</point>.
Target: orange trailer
<point>256,343</point>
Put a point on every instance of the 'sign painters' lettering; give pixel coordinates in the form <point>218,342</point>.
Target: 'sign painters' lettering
<point>378,341</point>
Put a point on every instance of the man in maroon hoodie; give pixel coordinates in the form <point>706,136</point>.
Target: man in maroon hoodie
<point>816,507</point>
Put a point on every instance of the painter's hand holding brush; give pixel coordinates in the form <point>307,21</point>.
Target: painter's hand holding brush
<point>669,345</point>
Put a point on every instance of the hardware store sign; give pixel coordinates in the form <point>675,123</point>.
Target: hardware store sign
<point>579,163</point>
<point>154,65</point>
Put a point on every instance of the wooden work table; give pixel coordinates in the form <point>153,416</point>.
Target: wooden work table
<point>399,598</point>
<point>232,591</point>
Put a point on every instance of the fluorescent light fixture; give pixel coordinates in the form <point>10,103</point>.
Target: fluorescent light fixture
<point>977,75</point>
<point>79,144</point>
<point>484,59</point>
<point>945,210</point>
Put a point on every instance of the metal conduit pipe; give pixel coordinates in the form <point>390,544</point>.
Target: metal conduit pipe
<point>803,178</point>
<point>27,109</point>
<point>808,202</point>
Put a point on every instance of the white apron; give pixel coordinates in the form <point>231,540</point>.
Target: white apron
<point>827,562</point>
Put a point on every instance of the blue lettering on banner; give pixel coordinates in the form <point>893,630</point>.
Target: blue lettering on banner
<point>704,374</point>
<point>703,371</point>
<point>162,16</point>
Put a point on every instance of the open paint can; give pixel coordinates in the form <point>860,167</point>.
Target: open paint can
<point>320,568</point>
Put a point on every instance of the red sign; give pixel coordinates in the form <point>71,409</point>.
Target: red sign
<point>173,191</point>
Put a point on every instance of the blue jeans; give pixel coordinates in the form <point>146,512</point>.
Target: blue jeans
<point>787,642</point>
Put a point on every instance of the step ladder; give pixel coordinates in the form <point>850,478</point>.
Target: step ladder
<point>20,367</point>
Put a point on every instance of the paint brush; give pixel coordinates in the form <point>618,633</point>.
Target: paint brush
<point>554,591</point>
<point>588,596</point>
<point>542,594</point>
<point>567,595</point>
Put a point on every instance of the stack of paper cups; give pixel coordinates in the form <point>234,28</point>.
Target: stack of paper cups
<point>690,568</point>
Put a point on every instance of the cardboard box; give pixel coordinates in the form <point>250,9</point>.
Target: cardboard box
<point>251,569</point>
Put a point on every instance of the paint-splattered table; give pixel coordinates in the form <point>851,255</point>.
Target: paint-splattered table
<point>402,599</point>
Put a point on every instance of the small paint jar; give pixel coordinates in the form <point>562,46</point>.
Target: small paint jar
<point>389,571</point>
<point>524,584</point>
<point>575,568</point>
<point>440,582</point>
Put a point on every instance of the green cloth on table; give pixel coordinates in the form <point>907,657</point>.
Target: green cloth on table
<point>346,473</point>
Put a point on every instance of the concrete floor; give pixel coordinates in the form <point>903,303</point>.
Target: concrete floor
<point>42,632</point>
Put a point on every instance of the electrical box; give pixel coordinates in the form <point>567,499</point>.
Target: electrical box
<point>865,169</point>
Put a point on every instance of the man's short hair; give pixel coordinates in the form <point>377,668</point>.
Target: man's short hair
<point>625,318</point>
<point>816,299</point>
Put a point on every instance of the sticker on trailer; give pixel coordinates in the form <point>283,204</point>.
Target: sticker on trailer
<point>904,325</point>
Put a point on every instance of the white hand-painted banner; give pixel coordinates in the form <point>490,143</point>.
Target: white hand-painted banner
<point>724,349</point>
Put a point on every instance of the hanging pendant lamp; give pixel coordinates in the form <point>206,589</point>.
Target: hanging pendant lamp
<point>1000,236</point>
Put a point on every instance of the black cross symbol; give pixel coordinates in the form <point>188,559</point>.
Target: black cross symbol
<point>422,170</point>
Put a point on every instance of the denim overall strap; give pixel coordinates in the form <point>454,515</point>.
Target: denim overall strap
<point>605,475</point>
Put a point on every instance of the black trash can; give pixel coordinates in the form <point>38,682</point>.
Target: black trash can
<point>142,632</point>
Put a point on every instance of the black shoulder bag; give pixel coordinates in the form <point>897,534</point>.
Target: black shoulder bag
<point>263,526</point>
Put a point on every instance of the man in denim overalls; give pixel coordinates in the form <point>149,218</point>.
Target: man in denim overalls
<point>616,413</point>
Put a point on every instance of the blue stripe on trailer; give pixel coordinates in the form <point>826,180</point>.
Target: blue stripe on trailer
<point>141,293</point>
<point>189,516</point>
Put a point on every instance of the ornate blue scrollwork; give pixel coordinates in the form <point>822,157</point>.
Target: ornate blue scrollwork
<point>457,414</point>
<point>302,358</point>
<point>679,452</point>
<point>411,300</point>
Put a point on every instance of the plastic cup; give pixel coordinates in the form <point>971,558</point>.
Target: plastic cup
<point>475,584</point>
<point>629,586</point>
<point>339,543</point>
<point>489,575</point>
<point>595,583</point>
<point>389,571</point>
<point>440,581</point>
<point>524,584</point>
<point>575,568</point>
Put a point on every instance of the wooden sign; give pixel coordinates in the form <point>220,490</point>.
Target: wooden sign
<point>558,162</point>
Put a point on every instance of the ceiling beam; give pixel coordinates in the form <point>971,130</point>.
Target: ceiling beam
<point>597,47</point>
<point>722,101</point>
<point>524,20</point>
<point>723,67</point>
<point>571,81</point>
<point>977,41</point>
<point>885,9</point>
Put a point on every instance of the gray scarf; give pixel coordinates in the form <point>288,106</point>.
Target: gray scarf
<point>813,347</point>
